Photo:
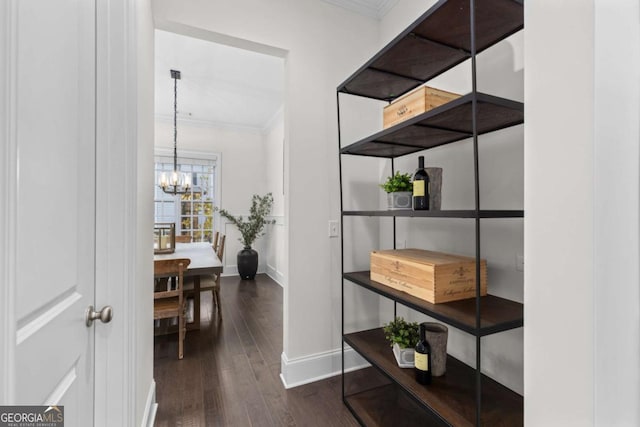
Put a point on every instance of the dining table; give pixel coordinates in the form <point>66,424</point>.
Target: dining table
<point>204,261</point>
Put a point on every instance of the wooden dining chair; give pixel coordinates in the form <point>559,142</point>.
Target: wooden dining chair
<point>185,238</point>
<point>210,282</point>
<point>216,236</point>
<point>220,249</point>
<point>170,303</point>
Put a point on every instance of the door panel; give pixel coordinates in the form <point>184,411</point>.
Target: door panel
<point>55,257</point>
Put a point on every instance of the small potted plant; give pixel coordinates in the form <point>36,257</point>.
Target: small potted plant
<point>399,191</point>
<point>250,229</point>
<point>403,337</point>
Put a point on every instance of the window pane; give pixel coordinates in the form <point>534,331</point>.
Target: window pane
<point>186,223</point>
<point>192,212</point>
<point>186,208</point>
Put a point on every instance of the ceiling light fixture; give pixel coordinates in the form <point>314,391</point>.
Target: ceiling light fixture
<point>177,182</point>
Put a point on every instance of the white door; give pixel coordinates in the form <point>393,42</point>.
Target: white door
<point>53,82</point>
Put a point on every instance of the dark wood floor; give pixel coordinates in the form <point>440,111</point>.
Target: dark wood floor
<point>230,372</point>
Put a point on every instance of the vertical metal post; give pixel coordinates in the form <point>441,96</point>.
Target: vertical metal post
<point>474,112</point>
<point>175,75</point>
<point>395,303</point>
<point>341,243</point>
<point>393,172</point>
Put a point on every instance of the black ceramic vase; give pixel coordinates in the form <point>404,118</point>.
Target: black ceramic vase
<point>247,263</point>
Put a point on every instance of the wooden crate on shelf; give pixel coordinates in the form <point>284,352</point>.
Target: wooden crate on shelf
<point>420,100</point>
<point>435,277</point>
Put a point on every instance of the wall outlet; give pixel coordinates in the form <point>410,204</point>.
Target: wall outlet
<point>334,227</point>
<point>519,262</point>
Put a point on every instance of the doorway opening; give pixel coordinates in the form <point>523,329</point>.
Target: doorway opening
<point>230,110</point>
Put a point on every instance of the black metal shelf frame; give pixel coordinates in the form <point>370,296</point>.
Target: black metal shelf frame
<point>408,213</point>
<point>450,32</point>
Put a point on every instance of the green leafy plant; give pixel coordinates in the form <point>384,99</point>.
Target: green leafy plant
<point>397,182</point>
<point>252,228</point>
<point>399,331</point>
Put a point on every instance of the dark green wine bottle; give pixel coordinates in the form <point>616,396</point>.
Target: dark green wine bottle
<point>423,358</point>
<point>421,187</point>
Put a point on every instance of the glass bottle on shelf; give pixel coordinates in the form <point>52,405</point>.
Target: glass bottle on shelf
<point>421,187</point>
<point>422,358</point>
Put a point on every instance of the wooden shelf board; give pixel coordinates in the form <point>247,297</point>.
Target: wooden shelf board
<point>496,314</point>
<point>445,124</point>
<point>434,43</point>
<point>451,396</point>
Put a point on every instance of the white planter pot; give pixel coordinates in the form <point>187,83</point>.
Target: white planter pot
<point>399,200</point>
<point>404,356</point>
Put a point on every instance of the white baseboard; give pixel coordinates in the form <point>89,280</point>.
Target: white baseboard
<point>277,276</point>
<point>229,270</point>
<point>151,407</point>
<point>308,369</point>
<point>232,270</point>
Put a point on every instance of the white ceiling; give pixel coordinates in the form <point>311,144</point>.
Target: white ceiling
<point>227,86</point>
<point>220,85</point>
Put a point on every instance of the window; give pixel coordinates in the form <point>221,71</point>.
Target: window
<point>191,212</point>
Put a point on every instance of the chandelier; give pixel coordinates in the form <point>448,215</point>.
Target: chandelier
<point>176,182</point>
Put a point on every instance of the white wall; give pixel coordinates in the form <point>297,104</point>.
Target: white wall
<point>324,44</point>
<point>559,207</point>
<point>276,256</point>
<point>273,140</point>
<point>616,189</point>
<point>581,199</point>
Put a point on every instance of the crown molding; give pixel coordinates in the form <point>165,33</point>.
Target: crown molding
<point>366,8</point>
<point>165,118</point>
<point>385,7</point>
<point>278,115</point>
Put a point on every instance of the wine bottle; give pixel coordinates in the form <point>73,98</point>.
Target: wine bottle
<point>421,187</point>
<point>422,358</point>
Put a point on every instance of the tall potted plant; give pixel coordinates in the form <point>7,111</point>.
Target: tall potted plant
<point>250,229</point>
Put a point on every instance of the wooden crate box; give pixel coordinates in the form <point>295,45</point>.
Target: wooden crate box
<point>423,99</point>
<point>435,277</point>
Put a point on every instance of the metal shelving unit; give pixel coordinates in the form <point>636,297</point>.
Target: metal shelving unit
<point>450,32</point>
<point>439,214</point>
